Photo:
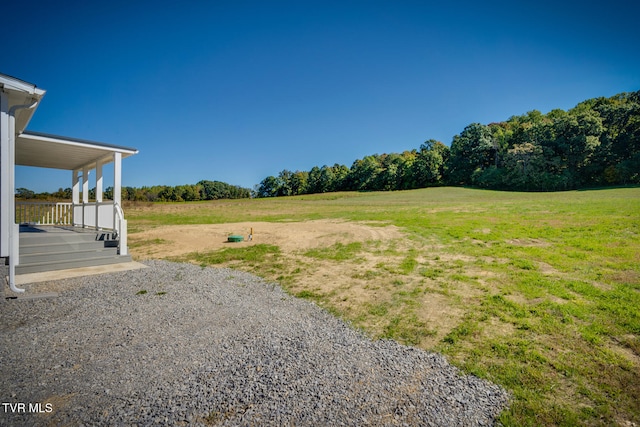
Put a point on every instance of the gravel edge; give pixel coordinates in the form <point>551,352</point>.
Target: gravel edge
<point>178,344</point>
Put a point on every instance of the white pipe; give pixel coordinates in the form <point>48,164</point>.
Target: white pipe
<point>12,186</point>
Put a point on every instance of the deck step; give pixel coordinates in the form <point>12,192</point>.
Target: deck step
<point>66,255</point>
<point>65,265</point>
<point>39,248</point>
<point>27,239</point>
<point>61,249</point>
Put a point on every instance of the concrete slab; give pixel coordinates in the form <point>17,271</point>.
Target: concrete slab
<point>23,279</point>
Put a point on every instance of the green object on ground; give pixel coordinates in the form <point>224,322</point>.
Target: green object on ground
<point>235,238</point>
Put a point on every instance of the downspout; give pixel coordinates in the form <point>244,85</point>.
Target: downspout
<point>13,251</point>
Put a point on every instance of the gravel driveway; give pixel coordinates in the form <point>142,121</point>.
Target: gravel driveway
<point>206,346</point>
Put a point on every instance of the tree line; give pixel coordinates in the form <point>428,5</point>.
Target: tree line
<point>596,143</point>
<point>376,172</point>
<point>203,190</point>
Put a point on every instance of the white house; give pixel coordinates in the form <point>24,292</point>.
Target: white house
<point>99,222</point>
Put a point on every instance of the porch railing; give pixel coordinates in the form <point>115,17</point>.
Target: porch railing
<point>98,215</point>
<point>120,228</point>
<point>95,215</point>
<point>44,213</point>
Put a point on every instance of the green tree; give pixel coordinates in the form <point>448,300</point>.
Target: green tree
<point>285,187</point>
<point>314,185</point>
<point>299,182</point>
<point>268,187</point>
<point>406,178</point>
<point>388,178</point>
<point>214,190</point>
<point>524,164</point>
<point>620,141</point>
<point>429,166</point>
<point>470,150</point>
<point>340,177</point>
<point>576,137</point>
<point>326,180</point>
<point>25,193</point>
<point>364,173</point>
<point>189,193</point>
<point>169,194</point>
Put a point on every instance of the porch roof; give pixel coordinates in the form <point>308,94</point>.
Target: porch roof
<point>20,92</point>
<point>60,152</point>
<point>45,150</point>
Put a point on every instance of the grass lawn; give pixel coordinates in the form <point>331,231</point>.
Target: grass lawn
<point>537,292</point>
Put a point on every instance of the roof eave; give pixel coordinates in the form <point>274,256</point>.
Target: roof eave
<point>57,152</point>
<point>128,151</point>
<point>13,84</point>
<point>24,94</point>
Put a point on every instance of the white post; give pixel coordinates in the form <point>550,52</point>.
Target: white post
<point>75,198</point>
<point>5,190</point>
<point>117,178</point>
<point>75,185</point>
<point>85,185</point>
<point>85,194</point>
<point>14,229</point>
<point>99,181</point>
<point>123,238</point>
<point>117,201</point>
<point>98,192</point>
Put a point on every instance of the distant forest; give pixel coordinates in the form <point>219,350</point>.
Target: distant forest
<point>597,143</point>
<point>203,190</point>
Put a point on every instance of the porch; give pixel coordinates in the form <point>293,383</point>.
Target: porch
<point>56,236</point>
<point>64,235</point>
<point>52,247</point>
<point>99,216</point>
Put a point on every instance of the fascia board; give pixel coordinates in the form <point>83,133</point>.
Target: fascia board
<point>13,84</point>
<point>79,143</point>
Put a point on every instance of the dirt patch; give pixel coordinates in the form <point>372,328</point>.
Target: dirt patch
<point>528,242</point>
<point>625,351</point>
<point>440,316</point>
<point>482,230</point>
<point>523,300</point>
<point>177,240</point>
<point>547,269</point>
<point>373,287</point>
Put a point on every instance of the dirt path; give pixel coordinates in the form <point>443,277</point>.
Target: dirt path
<point>176,240</point>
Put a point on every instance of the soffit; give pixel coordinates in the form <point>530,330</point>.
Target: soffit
<point>58,152</point>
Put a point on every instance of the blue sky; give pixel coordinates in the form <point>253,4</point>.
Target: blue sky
<point>238,90</point>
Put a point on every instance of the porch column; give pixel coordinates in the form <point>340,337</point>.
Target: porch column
<point>98,193</point>
<point>75,198</point>
<point>5,190</point>
<point>85,185</point>
<point>120,225</point>
<point>85,195</point>
<point>9,230</point>
<point>99,181</point>
<point>117,178</point>
<point>75,185</point>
